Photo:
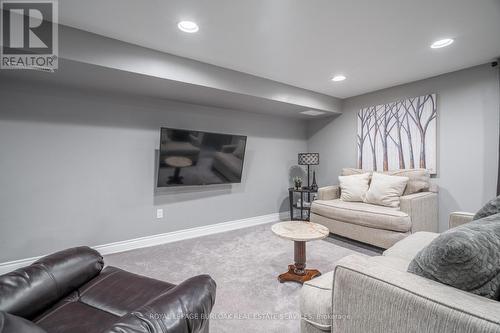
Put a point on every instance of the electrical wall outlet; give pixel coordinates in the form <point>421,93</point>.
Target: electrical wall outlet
<point>159,213</point>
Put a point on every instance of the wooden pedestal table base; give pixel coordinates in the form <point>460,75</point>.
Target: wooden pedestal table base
<point>177,162</point>
<point>297,272</point>
<point>300,233</point>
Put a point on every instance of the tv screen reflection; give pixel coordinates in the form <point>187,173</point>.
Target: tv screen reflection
<point>199,158</point>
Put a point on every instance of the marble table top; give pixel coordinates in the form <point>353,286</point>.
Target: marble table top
<point>300,231</point>
<point>178,161</point>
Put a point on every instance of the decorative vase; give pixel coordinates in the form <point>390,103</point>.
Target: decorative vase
<point>314,186</point>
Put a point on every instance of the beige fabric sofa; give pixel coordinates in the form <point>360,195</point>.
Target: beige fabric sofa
<point>378,225</point>
<point>377,294</point>
<point>228,164</point>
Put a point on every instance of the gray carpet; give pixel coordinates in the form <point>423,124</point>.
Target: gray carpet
<point>245,264</point>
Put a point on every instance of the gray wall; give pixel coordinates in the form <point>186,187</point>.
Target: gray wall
<point>467,136</point>
<point>78,167</point>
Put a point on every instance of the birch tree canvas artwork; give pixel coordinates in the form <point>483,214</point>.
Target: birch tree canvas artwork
<point>398,135</point>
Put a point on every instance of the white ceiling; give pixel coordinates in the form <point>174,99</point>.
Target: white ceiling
<point>375,43</point>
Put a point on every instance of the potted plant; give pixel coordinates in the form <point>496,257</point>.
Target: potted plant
<point>297,181</point>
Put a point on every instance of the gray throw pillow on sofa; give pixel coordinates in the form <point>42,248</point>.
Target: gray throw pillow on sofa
<point>492,207</point>
<point>466,257</point>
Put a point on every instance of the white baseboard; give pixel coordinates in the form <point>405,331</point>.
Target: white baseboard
<point>153,240</point>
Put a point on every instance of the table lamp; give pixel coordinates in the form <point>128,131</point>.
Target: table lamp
<point>309,159</point>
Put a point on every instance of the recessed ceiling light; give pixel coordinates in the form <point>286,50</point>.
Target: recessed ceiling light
<point>441,43</point>
<point>338,78</point>
<point>188,26</point>
<point>312,112</point>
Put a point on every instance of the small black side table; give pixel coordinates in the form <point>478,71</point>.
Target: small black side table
<point>293,206</point>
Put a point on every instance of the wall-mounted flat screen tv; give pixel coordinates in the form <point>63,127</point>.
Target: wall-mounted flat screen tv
<point>199,158</point>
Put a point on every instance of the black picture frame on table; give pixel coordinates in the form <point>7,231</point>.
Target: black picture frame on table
<point>301,208</point>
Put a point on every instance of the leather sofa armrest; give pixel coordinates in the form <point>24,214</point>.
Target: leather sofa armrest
<point>329,192</point>
<point>422,207</point>
<point>29,290</point>
<point>14,324</point>
<point>183,309</point>
<point>459,218</point>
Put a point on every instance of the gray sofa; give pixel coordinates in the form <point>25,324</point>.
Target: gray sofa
<point>186,147</point>
<point>229,162</point>
<point>379,225</point>
<point>377,294</point>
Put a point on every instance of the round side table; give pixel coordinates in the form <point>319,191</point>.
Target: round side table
<point>177,162</point>
<point>299,232</point>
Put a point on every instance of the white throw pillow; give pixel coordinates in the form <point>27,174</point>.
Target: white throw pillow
<point>354,187</point>
<point>385,190</point>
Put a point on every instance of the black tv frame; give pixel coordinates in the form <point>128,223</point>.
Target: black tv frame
<point>205,184</point>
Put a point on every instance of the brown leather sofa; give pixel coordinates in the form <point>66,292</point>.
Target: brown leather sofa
<point>70,292</point>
